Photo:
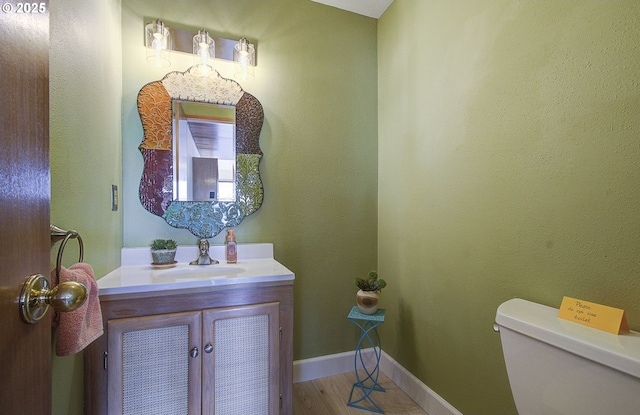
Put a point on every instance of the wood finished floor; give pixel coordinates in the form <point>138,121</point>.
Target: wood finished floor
<point>329,396</point>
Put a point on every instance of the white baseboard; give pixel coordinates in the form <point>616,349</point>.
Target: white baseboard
<point>336,364</point>
<point>322,367</point>
<point>425,397</point>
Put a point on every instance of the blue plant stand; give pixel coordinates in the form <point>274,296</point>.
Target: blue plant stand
<point>368,324</point>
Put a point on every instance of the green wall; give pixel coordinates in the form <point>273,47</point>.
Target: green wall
<point>85,128</point>
<point>86,150</point>
<point>316,79</point>
<point>509,166</point>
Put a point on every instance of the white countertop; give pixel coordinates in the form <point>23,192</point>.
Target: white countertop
<point>255,265</point>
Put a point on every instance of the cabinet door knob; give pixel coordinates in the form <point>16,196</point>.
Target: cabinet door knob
<point>193,352</point>
<point>208,348</point>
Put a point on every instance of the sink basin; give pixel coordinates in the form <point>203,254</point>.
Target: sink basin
<point>199,272</point>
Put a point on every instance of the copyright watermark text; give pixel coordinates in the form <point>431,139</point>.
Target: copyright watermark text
<point>26,8</point>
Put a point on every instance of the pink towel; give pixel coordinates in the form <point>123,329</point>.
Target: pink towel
<point>78,328</point>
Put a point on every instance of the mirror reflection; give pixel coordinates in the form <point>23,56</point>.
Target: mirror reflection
<point>204,151</point>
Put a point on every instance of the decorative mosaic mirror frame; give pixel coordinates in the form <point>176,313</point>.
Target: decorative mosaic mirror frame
<point>203,219</point>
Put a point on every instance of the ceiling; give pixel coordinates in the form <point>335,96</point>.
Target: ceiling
<point>371,8</point>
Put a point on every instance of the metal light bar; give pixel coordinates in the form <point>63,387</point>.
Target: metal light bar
<point>182,41</point>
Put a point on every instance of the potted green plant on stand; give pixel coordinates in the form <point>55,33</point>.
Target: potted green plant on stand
<point>163,251</point>
<point>367,297</point>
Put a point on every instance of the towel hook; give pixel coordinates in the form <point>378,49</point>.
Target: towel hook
<point>56,234</point>
<point>36,295</point>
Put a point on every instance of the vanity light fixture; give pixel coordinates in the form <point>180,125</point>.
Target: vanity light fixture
<point>204,50</point>
<point>244,54</point>
<point>160,40</point>
<point>158,43</point>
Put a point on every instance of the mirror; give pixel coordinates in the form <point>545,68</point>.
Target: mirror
<point>157,105</point>
<point>204,151</point>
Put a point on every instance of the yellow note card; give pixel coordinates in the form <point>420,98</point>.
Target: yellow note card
<point>597,316</point>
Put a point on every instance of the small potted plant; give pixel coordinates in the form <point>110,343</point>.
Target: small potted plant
<point>367,297</point>
<point>163,251</point>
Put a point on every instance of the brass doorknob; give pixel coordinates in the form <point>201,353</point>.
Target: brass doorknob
<point>36,297</point>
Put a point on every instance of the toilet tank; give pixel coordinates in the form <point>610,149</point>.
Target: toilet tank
<point>557,367</point>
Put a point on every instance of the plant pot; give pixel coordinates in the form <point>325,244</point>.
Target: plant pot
<point>163,256</point>
<point>367,301</point>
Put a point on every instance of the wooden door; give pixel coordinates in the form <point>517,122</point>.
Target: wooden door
<point>241,360</point>
<point>25,349</point>
<point>154,364</point>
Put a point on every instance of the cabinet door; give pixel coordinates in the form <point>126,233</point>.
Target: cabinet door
<point>241,360</point>
<point>154,365</point>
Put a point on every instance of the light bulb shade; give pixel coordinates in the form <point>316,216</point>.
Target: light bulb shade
<point>204,51</point>
<point>244,54</point>
<point>158,43</point>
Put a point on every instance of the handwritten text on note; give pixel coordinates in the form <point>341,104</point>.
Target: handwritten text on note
<point>597,316</point>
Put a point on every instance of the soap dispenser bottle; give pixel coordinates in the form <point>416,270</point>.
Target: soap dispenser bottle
<point>231,252</point>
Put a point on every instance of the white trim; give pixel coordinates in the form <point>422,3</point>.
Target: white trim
<point>424,396</point>
<point>325,366</point>
<point>339,363</point>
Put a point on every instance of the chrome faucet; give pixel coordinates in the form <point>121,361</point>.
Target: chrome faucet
<point>203,257</point>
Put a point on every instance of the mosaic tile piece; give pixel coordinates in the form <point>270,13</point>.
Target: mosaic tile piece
<point>250,192</point>
<point>156,185</point>
<point>204,219</point>
<point>154,107</point>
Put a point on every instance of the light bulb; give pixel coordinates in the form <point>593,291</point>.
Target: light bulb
<point>158,42</point>
<point>203,52</point>
<point>244,55</point>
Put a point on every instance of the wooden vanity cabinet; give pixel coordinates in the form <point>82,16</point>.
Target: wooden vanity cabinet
<point>220,350</point>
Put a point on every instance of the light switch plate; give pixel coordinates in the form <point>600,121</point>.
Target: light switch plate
<point>114,197</point>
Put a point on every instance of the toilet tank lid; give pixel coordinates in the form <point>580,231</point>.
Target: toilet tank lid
<point>621,352</point>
